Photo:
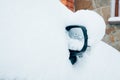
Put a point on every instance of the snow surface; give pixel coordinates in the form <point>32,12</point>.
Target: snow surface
<point>114,19</point>
<point>75,44</point>
<point>75,39</point>
<point>33,44</point>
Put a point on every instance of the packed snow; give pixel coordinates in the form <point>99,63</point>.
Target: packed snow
<point>75,39</point>
<point>33,43</point>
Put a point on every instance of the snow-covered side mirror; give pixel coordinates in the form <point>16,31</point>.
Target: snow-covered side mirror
<point>77,41</point>
<point>92,21</point>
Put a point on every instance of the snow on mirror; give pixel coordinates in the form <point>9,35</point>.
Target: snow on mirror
<point>34,43</point>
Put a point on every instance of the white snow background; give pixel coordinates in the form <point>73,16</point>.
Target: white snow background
<point>33,43</point>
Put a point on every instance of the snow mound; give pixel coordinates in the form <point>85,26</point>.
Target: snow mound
<point>33,43</point>
<point>92,21</point>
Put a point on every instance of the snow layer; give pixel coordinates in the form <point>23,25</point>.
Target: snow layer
<point>114,19</point>
<point>33,44</point>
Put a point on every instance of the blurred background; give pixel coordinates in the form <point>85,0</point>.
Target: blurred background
<point>107,9</point>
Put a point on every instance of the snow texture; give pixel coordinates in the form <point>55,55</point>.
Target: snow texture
<point>75,39</point>
<point>74,44</point>
<point>33,44</point>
